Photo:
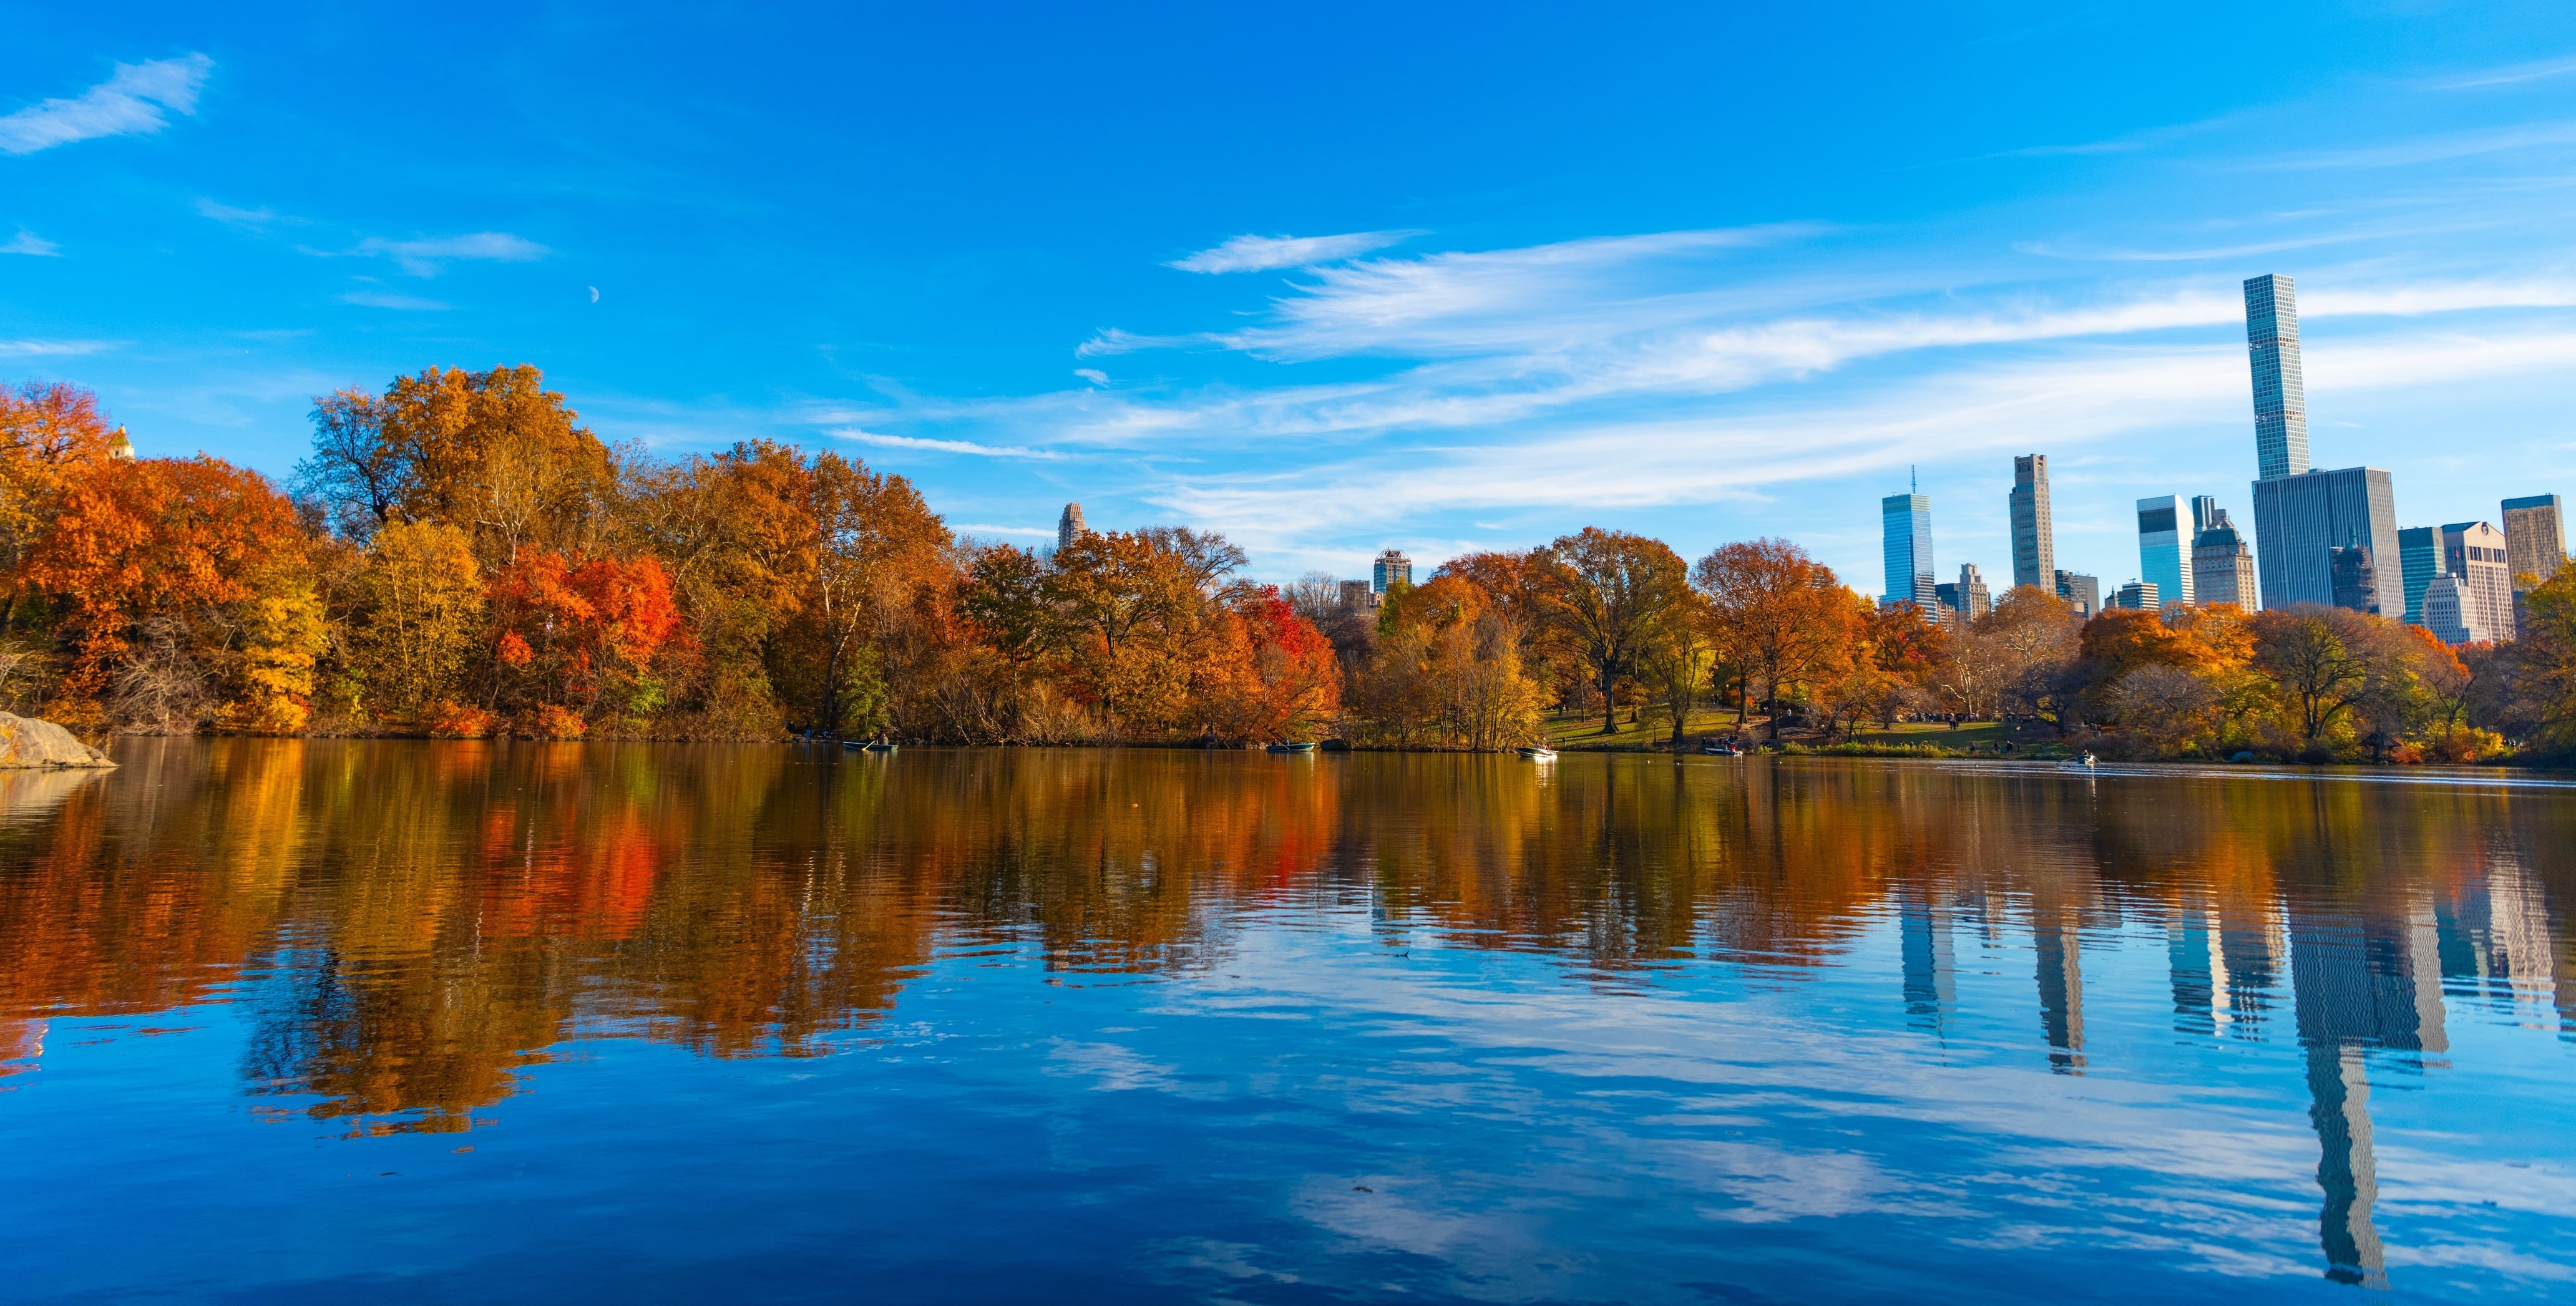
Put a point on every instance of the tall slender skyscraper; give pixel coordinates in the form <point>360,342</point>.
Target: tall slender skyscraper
<point>2280,394</point>
<point>1070,527</point>
<point>2164,555</point>
<point>2300,516</point>
<point>2034,537</point>
<point>1908,522</point>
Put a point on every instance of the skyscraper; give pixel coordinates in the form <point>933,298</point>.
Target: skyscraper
<point>2535,537</point>
<point>2222,566</point>
<point>2137,595</point>
<point>1967,599</point>
<point>1069,527</point>
<point>2356,578</point>
<point>2083,593</point>
<point>2280,394</point>
<point>2034,537</point>
<point>2301,515</point>
<point>2419,557</point>
<point>1907,519</point>
<point>1392,569</point>
<point>2475,552</point>
<point>2164,559</point>
<point>2300,520</point>
<point>2451,612</point>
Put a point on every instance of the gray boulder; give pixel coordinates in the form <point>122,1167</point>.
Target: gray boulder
<point>28,742</point>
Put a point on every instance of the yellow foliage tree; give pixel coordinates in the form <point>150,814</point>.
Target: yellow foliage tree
<point>421,602</point>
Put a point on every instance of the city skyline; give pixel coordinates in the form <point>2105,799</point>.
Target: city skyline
<point>1152,317</point>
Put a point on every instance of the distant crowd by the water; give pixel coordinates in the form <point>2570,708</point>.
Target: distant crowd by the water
<point>458,557</point>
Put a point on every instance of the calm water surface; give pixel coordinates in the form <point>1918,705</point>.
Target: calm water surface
<point>320,1021</point>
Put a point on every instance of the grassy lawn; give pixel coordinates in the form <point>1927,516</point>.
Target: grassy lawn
<point>1980,733</point>
<point>1584,732</point>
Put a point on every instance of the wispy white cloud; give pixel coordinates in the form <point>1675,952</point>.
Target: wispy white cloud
<point>1263,253</point>
<point>127,104</point>
<point>24,348</point>
<point>2507,75</point>
<point>425,257</point>
<point>28,242</point>
<point>2131,143</point>
<point>2434,149</point>
<point>254,219</point>
<point>380,299</point>
<point>944,446</point>
<point>1092,374</point>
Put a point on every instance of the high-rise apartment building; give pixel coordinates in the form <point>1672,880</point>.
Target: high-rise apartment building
<point>2280,393</point>
<point>2356,578</point>
<point>1356,594</point>
<point>2034,536</point>
<point>1907,519</point>
<point>2083,593</point>
<point>2475,552</point>
<point>2535,537</point>
<point>1967,599</point>
<point>1392,569</point>
<point>2300,520</point>
<point>2138,596</point>
<point>2419,559</point>
<point>2222,565</point>
<point>2451,613</point>
<point>2299,514</point>
<point>2164,555</point>
<point>1069,526</point>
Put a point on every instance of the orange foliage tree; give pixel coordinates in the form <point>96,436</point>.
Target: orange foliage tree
<point>184,593</point>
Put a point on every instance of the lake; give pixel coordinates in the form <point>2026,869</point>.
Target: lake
<point>408,1021</point>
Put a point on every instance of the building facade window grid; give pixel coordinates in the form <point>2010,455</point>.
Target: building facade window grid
<point>1907,520</point>
<point>2034,536</point>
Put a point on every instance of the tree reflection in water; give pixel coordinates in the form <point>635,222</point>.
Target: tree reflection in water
<point>412,924</point>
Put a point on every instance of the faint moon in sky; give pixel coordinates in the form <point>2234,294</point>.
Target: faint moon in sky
<point>594,294</point>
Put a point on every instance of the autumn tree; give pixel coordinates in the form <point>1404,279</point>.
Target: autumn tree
<point>48,432</point>
<point>2036,641</point>
<point>420,618</point>
<point>1677,654</point>
<point>1783,613</point>
<point>1606,591</point>
<point>184,593</point>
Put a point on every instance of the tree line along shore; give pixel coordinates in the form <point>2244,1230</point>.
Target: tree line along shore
<point>459,557</point>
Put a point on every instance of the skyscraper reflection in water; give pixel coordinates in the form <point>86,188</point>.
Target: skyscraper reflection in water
<point>1775,1003</point>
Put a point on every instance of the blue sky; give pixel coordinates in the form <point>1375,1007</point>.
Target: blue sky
<point>1336,278</point>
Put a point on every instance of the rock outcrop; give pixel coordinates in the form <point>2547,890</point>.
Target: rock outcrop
<point>28,742</point>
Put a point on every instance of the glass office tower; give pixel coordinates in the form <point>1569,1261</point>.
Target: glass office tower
<point>1908,522</point>
<point>2164,559</point>
<point>2300,520</point>
<point>2034,537</point>
<point>2280,394</point>
<point>2419,555</point>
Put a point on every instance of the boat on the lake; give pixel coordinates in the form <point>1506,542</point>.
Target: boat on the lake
<point>1721,748</point>
<point>1293,746</point>
<point>1537,753</point>
<point>883,746</point>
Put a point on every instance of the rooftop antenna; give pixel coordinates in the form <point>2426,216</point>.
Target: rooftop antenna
<point>1913,483</point>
